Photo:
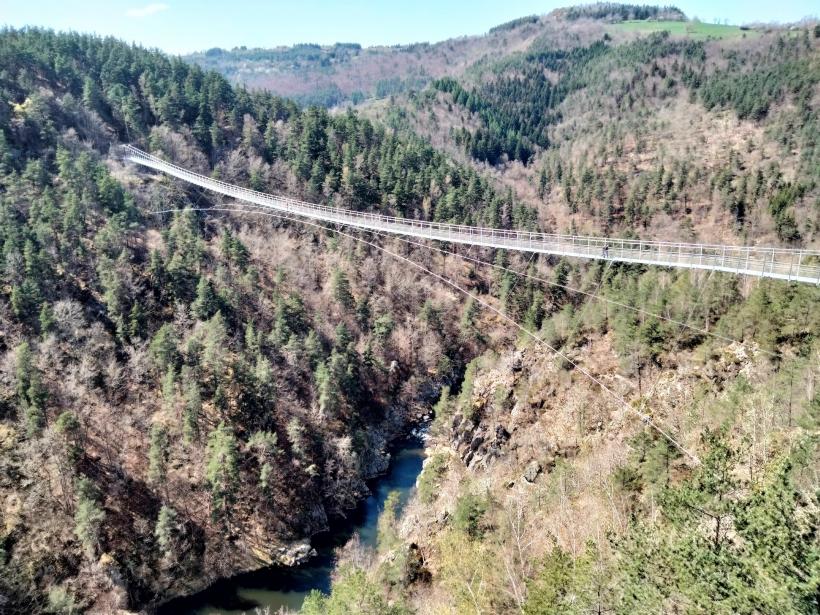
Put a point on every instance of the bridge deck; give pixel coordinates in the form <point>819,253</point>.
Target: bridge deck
<point>780,263</point>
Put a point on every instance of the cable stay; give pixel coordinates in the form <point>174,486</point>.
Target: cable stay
<point>645,418</point>
<point>591,295</point>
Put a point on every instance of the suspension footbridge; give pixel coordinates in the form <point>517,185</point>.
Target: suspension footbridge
<point>780,263</point>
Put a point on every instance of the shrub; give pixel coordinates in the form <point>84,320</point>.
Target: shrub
<point>429,480</point>
<point>60,601</point>
<point>470,509</point>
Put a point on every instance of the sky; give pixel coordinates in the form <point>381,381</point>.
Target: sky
<point>182,26</point>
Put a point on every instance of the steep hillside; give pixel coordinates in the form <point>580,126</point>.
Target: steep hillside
<point>182,396</point>
<point>665,136</point>
<point>544,496</point>
<point>186,395</point>
<point>345,73</point>
<point>637,471</point>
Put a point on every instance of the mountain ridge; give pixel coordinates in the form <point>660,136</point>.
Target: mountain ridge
<point>345,73</point>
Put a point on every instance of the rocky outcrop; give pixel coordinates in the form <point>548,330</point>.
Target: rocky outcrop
<point>532,471</point>
<point>483,436</point>
<point>295,554</point>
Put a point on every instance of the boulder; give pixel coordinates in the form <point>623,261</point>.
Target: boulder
<point>296,554</point>
<point>532,471</point>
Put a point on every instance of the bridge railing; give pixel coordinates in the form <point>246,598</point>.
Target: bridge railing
<point>782,263</point>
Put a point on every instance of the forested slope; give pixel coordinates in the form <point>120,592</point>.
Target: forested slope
<point>183,397</point>
<point>668,136</point>
<point>543,492</point>
<point>347,73</point>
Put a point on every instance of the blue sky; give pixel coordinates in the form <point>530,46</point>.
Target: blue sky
<point>180,26</point>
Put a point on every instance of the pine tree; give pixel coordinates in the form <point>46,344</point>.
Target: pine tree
<point>88,517</point>
<point>215,344</point>
<point>343,338</point>
<point>221,469</point>
<point>169,389</point>
<point>5,154</point>
<point>25,300</point>
<point>23,368</point>
<point>341,289</point>
<point>157,274</point>
<point>136,322</point>
<point>543,183</point>
<point>252,339</point>
<point>206,303</point>
<point>298,437</point>
<point>165,531</point>
<point>220,399</point>
<point>31,393</point>
<point>363,312</point>
<point>313,348</point>
<point>534,315</point>
<point>468,317</point>
<point>271,139</point>
<point>265,445</point>
<point>383,327</point>
<point>327,387</point>
<point>158,454</point>
<point>91,95</point>
<point>193,408</point>
<point>163,349</point>
<point>263,376</point>
<point>35,410</point>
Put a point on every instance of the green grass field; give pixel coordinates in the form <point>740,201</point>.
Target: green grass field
<point>693,29</point>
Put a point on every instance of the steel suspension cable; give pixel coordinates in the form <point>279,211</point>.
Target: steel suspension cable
<point>760,261</point>
<point>645,418</point>
<point>592,295</point>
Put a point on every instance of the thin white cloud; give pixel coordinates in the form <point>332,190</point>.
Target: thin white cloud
<point>147,10</point>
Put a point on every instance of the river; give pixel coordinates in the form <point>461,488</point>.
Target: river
<point>277,587</point>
